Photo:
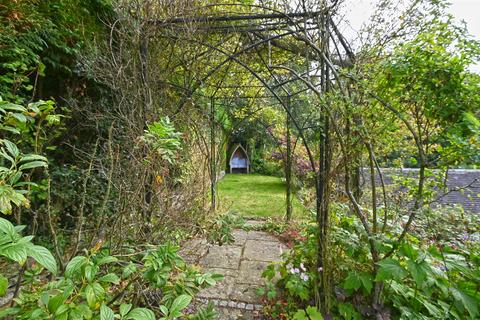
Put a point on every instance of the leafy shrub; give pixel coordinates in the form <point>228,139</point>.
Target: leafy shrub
<point>16,248</point>
<point>162,138</point>
<point>420,281</point>
<point>97,284</point>
<point>267,167</point>
<point>221,229</point>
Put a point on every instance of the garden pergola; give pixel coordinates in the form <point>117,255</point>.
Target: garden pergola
<point>308,36</point>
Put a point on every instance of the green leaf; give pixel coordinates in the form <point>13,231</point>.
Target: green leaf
<point>55,302</point>
<point>74,265</point>
<point>12,148</point>
<point>314,314</point>
<point>7,227</point>
<point>408,251</point>
<point>33,164</point>
<point>418,271</point>
<point>106,313</point>
<point>3,286</point>
<point>80,312</point>
<point>390,269</point>
<point>62,312</point>
<point>12,107</point>
<point>15,252</point>
<point>352,281</point>
<point>111,277</point>
<point>106,260</point>
<point>20,117</point>
<point>300,315</point>
<point>141,314</point>
<point>466,301</point>
<point>129,270</point>
<point>367,281</point>
<point>4,313</point>
<point>4,154</point>
<point>32,157</point>
<point>43,257</point>
<point>164,310</point>
<point>89,273</point>
<point>124,309</point>
<point>180,303</point>
<point>94,293</point>
<point>348,312</point>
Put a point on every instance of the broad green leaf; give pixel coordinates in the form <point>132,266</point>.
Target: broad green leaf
<point>111,278</point>
<point>3,285</point>
<point>352,281</point>
<point>125,308</point>
<point>418,271</point>
<point>4,154</point>
<point>55,302</point>
<point>468,302</point>
<point>20,117</point>
<point>80,312</point>
<point>10,129</point>
<point>32,157</point>
<point>180,303</point>
<point>408,251</point>
<point>432,309</point>
<point>106,260</point>
<point>15,252</point>
<point>94,293</point>
<point>4,313</point>
<point>89,273</point>
<point>164,310</point>
<point>7,227</point>
<point>300,315</point>
<point>11,106</point>
<point>33,164</point>
<point>140,314</point>
<point>12,148</point>
<point>313,313</point>
<point>74,265</point>
<point>128,270</point>
<point>106,313</point>
<point>390,269</point>
<point>348,312</point>
<point>367,281</point>
<point>43,257</point>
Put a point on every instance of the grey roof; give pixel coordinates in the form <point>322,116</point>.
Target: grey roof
<point>463,186</point>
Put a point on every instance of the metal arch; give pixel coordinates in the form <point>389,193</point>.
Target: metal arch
<point>268,87</point>
<point>235,56</point>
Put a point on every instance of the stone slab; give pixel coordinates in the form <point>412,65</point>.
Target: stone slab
<point>240,237</point>
<point>261,235</point>
<point>223,271</point>
<point>227,257</point>
<point>246,293</point>
<point>237,314</point>
<point>192,250</point>
<point>220,290</point>
<point>263,251</point>
<point>251,272</point>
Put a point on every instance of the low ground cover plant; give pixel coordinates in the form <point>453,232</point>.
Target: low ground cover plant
<point>427,278</point>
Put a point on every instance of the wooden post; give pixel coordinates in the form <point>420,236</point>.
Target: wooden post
<point>323,187</point>
<point>288,164</point>
<point>213,165</point>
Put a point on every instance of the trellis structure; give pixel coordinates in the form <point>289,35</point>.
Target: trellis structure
<point>253,42</point>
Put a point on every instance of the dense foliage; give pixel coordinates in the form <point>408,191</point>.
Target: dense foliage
<point>117,118</point>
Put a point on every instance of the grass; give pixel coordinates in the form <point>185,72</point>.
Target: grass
<point>255,195</point>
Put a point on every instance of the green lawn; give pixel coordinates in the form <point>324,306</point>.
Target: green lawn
<point>255,195</point>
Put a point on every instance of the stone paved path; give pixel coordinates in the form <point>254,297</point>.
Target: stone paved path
<point>242,264</point>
